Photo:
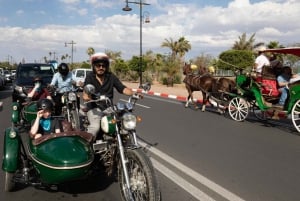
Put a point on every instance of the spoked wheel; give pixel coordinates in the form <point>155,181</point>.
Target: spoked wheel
<point>259,114</point>
<point>9,184</point>
<point>142,178</point>
<point>296,115</point>
<point>238,109</point>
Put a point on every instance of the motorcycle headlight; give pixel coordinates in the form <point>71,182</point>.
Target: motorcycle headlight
<point>129,121</point>
<point>72,96</point>
<point>12,134</point>
<point>63,99</point>
<point>108,125</point>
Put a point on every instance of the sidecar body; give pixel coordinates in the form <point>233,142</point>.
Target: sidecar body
<point>56,158</point>
<point>62,157</point>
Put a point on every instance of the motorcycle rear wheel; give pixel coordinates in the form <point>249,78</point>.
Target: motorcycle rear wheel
<point>9,184</point>
<point>142,177</point>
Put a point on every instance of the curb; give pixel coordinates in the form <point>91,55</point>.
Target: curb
<point>165,95</point>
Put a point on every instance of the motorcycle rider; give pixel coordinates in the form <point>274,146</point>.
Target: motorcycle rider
<point>63,81</point>
<point>44,123</point>
<point>104,82</point>
<point>38,92</point>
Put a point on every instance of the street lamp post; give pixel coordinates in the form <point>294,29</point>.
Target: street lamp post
<point>72,49</point>
<point>127,8</point>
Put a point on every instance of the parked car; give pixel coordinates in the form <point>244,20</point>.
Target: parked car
<point>13,74</point>
<point>80,74</point>
<point>24,78</point>
<point>8,76</point>
<point>2,82</point>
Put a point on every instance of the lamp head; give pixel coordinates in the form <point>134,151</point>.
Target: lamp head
<point>127,8</point>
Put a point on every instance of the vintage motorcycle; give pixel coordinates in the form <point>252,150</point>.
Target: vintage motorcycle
<point>71,105</point>
<point>71,155</point>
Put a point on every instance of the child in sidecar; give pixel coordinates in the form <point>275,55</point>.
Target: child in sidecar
<point>44,122</point>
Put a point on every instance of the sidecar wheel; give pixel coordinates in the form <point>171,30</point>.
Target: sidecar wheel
<point>142,177</point>
<point>9,183</point>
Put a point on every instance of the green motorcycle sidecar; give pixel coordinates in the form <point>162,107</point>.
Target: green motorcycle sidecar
<point>62,157</point>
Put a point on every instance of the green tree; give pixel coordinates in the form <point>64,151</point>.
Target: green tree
<point>236,60</point>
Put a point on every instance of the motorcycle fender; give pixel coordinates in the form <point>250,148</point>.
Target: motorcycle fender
<point>11,150</point>
<point>15,116</point>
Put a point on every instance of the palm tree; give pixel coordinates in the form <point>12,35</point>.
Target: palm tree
<point>172,45</point>
<point>274,44</point>
<point>179,47</point>
<point>183,46</point>
<point>243,43</point>
<point>90,51</point>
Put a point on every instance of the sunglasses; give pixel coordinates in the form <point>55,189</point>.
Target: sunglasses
<point>100,65</point>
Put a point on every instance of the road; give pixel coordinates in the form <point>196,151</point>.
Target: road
<point>199,156</point>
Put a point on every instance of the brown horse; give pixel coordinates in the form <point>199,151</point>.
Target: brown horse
<point>203,83</point>
<point>208,85</point>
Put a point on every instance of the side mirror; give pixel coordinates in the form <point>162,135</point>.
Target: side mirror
<point>146,86</point>
<point>89,89</point>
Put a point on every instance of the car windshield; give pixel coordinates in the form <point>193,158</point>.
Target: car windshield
<point>80,73</point>
<point>34,71</point>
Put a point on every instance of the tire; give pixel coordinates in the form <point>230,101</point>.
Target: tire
<point>296,115</point>
<point>142,177</point>
<point>9,184</point>
<point>238,109</point>
<point>75,119</point>
<point>259,114</point>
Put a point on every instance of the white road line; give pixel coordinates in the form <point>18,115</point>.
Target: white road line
<point>193,174</point>
<point>194,191</point>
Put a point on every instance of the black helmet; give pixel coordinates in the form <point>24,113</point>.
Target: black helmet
<point>45,104</point>
<point>63,69</point>
<point>100,58</point>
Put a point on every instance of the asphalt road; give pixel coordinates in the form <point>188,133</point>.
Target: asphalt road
<point>198,156</point>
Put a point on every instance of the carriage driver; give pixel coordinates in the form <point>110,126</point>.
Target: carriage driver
<point>260,61</point>
<point>104,82</point>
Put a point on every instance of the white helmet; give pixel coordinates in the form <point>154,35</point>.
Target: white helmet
<point>261,48</point>
<point>100,57</point>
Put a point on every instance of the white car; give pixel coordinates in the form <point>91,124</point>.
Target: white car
<point>80,74</point>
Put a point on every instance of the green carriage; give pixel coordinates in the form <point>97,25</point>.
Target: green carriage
<point>251,97</point>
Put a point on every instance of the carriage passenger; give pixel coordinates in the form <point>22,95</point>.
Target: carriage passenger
<point>283,80</point>
<point>276,65</point>
<point>44,122</point>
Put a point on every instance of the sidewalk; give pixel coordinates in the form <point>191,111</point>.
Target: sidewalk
<point>178,91</point>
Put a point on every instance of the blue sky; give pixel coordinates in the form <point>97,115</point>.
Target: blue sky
<point>31,29</point>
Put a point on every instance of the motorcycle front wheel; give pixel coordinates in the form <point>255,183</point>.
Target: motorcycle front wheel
<point>75,119</point>
<point>142,178</point>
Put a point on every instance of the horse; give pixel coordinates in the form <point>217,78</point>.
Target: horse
<point>203,83</point>
<point>208,85</point>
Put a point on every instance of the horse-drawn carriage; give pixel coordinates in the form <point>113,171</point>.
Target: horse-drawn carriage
<point>261,94</point>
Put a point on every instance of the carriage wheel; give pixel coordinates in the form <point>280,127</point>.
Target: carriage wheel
<point>238,109</point>
<point>296,115</point>
<point>259,114</point>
